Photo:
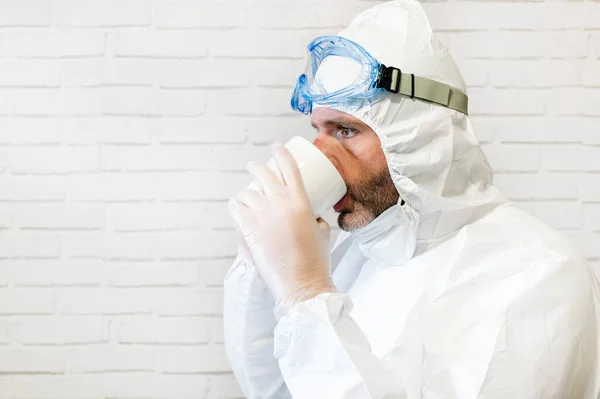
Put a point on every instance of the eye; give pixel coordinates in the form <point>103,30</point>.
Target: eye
<point>345,132</point>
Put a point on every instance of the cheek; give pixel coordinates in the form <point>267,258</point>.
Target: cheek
<point>368,160</point>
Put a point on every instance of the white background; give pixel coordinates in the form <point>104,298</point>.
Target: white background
<point>125,126</point>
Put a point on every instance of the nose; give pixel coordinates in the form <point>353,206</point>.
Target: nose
<point>322,142</point>
<point>327,145</point>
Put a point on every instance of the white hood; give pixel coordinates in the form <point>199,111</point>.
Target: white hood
<point>433,156</point>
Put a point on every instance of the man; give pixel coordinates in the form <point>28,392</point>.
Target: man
<point>440,287</point>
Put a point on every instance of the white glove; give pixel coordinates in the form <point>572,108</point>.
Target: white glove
<point>288,246</point>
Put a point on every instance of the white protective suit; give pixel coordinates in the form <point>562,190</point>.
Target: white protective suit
<point>455,294</point>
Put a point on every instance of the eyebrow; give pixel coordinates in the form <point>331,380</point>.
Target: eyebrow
<point>342,122</point>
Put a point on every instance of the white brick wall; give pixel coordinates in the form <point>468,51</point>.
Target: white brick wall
<point>125,126</point>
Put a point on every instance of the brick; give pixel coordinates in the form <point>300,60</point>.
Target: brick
<point>82,244</point>
<point>592,15</point>
<point>51,160</point>
<point>244,102</point>
<point>505,102</point>
<point>474,72</point>
<point>576,101</point>
<point>50,102</point>
<point>591,217</point>
<point>484,127</point>
<point>59,217</point>
<point>113,187</point>
<point>151,385</point>
<point>147,102</point>
<point>129,72</point>
<point>504,15</point>
<point>224,387</point>
<point>236,158</point>
<point>213,271</point>
<point>183,245</point>
<point>203,186</point>
<point>28,244</point>
<point>162,217</point>
<point>116,72</point>
<point>150,330</point>
<point>594,50</point>
<point>111,359</point>
<point>200,130</point>
<point>498,45</point>
<point>129,101</point>
<point>513,158</point>
<point>61,273</point>
<point>276,15</point>
<point>261,44</point>
<point>5,106</point>
<point>173,14</point>
<point>51,386</point>
<point>25,302</point>
<point>215,330</point>
<point>273,72</point>
<point>132,246</point>
<point>202,74</point>
<point>591,243</point>
<point>591,73</point>
<point>83,73</point>
<point>141,274</point>
<point>55,44</point>
<point>30,131</point>
<point>267,130</point>
<point>60,331</point>
<point>590,131</point>
<point>174,157</point>
<point>111,13</point>
<point>162,43</point>
<point>185,302</point>
<point>6,218</point>
<point>25,13</point>
<point>566,44</point>
<point>32,361</point>
<point>193,360</point>
<point>571,158</point>
<point>538,130</point>
<point>107,130</point>
<point>30,188</point>
<point>84,301</point>
<point>537,186</point>
<point>37,73</point>
<point>558,214</point>
<point>589,187</point>
<point>3,333</point>
<point>538,73</point>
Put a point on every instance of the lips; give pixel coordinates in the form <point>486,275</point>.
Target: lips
<point>340,204</point>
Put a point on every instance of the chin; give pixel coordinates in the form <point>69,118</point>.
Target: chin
<point>349,221</point>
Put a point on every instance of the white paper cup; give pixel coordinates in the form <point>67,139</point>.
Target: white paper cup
<point>324,185</point>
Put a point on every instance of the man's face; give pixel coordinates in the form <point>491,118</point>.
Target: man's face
<point>356,152</point>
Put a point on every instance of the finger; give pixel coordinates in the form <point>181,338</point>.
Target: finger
<point>242,217</point>
<point>265,177</point>
<point>289,169</point>
<point>324,226</point>
<point>250,198</point>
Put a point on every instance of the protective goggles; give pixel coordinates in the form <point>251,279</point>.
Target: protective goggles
<point>363,78</point>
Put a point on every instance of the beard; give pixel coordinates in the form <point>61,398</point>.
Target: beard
<point>369,200</point>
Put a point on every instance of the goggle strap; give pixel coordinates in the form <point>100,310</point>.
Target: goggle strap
<point>393,80</point>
